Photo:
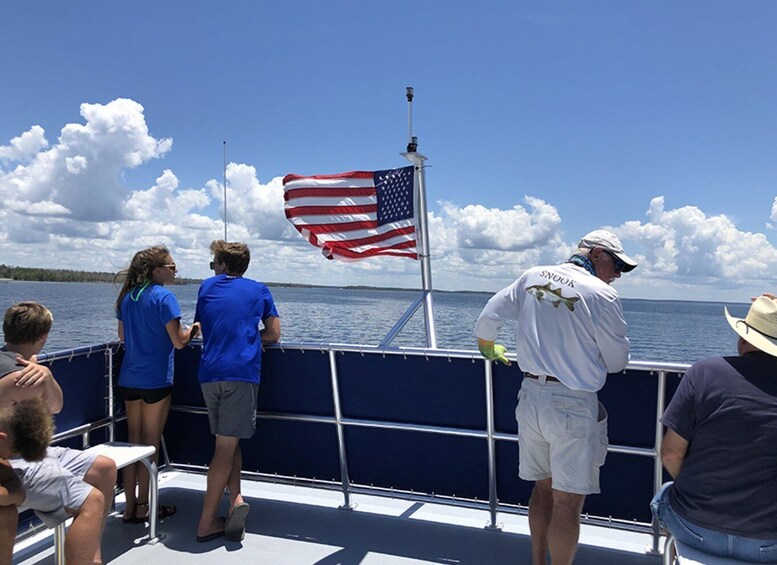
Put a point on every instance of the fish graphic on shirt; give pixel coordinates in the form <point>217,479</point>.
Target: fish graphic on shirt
<point>544,293</point>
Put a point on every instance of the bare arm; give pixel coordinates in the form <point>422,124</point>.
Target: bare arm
<point>673,450</point>
<point>121,331</point>
<point>178,335</point>
<point>272,329</point>
<point>11,491</point>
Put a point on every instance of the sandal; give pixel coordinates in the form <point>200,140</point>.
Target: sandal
<point>164,511</point>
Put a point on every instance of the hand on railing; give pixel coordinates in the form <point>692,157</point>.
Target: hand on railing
<point>493,351</point>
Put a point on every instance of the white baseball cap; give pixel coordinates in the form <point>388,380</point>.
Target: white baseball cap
<point>608,241</point>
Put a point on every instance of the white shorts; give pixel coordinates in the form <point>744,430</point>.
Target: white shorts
<point>55,483</point>
<point>562,434</point>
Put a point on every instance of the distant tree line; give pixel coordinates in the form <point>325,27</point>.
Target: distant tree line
<point>64,275</point>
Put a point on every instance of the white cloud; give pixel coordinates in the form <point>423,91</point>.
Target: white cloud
<point>24,147</point>
<point>66,206</point>
<point>75,165</point>
<point>688,247</point>
<point>516,229</point>
<point>257,207</point>
<point>474,247</point>
<point>81,171</point>
<point>164,202</point>
<point>773,215</point>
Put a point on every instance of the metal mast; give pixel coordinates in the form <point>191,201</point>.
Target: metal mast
<point>417,159</point>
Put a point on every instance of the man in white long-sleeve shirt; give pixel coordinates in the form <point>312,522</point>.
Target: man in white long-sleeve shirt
<point>571,334</point>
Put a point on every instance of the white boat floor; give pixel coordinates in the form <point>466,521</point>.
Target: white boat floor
<point>300,526</point>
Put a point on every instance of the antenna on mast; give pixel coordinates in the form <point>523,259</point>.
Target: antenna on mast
<point>412,142</point>
<point>225,191</point>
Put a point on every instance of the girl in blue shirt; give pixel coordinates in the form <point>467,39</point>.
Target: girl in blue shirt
<point>150,327</point>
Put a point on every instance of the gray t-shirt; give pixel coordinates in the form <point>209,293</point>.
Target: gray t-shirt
<point>726,408</point>
<point>8,363</point>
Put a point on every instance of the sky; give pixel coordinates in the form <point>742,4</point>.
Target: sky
<point>540,120</point>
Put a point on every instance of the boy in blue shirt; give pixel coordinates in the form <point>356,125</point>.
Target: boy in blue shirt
<point>229,311</point>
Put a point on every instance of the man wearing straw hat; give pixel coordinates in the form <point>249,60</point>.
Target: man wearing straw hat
<point>571,334</point>
<point>721,447</point>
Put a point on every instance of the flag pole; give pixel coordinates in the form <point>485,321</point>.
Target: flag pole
<point>225,191</point>
<point>417,160</point>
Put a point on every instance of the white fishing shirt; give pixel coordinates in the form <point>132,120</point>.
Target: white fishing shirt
<point>570,325</point>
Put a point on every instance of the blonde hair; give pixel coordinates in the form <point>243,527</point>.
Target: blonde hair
<point>236,256</point>
<point>26,322</point>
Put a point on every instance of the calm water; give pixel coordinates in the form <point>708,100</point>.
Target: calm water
<point>660,330</point>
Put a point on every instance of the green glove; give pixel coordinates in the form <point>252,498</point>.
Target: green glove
<point>494,352</point>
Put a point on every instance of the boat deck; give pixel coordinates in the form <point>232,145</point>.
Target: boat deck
<point>301,525</point>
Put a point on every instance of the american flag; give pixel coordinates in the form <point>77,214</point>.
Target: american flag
<point>354,215</point>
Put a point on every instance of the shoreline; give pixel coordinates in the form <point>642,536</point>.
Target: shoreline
<point>191,282</point>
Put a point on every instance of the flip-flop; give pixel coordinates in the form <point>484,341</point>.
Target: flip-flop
<point>209,537</point>
<point>235,526</point>
<point>164,511</point>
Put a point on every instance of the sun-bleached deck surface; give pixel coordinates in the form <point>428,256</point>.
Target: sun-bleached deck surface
<point>300,526</point>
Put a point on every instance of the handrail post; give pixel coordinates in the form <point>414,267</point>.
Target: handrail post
<point>492,493</point>
<point>59,543</point>
<point>346,483</point>
<point>111,410</point>
<point>658,468</point>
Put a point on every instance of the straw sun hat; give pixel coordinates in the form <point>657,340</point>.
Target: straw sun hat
<point>759,327</point>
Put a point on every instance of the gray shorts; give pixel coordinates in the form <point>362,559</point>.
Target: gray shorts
<point>55,483</point>
<point>562,434</point>
<point>231,407</point>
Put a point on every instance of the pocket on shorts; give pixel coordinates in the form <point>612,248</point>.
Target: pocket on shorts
<point>521,398</point>
<point>684,533</point>
<point>573,418</point>
<point>768,553</point>
<point>603,437</point>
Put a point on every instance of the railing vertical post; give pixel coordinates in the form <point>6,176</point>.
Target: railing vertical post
<point>658,468</point>
<point>346,483</point>
<point>59,543</point>
<point>111,411</point>
<point>492,494</point>
<point>153,497</point>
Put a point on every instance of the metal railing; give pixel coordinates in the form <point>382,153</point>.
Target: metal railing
<point>489,434</point>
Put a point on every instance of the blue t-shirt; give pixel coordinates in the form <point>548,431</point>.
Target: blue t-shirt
<point>230,310</point>
<point>726,408</point>
<point>148,355</point>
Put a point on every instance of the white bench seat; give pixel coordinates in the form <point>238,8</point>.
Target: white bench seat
<point>123,454</point>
